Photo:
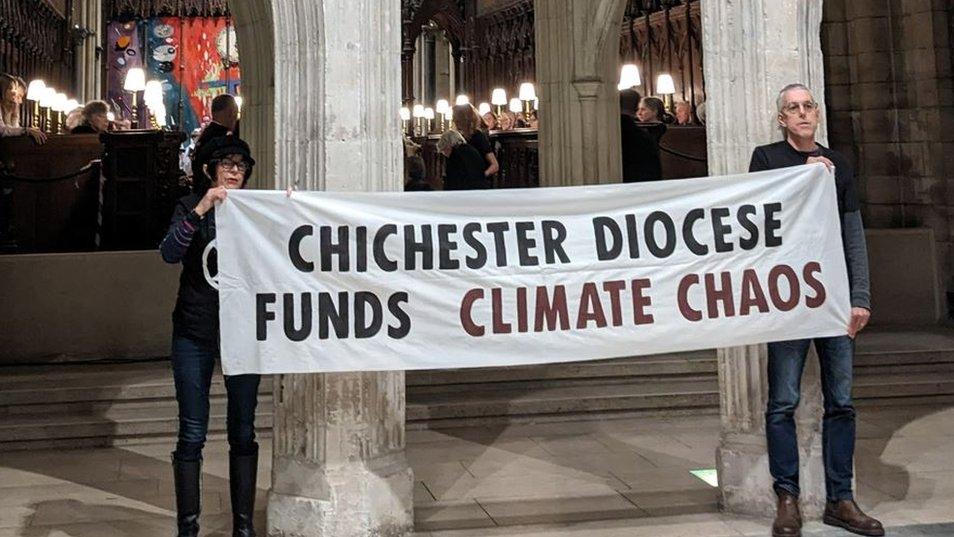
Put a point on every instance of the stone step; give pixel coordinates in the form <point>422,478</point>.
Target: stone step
<point>159,419</point>
<point>694,363</point>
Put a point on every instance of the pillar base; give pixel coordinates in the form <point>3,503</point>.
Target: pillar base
<point>344,501</point>
<point>745,482</point>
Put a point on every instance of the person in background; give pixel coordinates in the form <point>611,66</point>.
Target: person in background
<point>490,121</point>
<point>701,112</point>
<point>465,166</point>
<point>683,113</point>
<point>185,155</point>
<point>639,147</point>
<point>12,91</point>
<point>74,119</point>
<point>225,113</point>
<point>195,347</point>
<point>506,121</point>
<point>798,119</point>
<point>651,110</point>
<point>95,120</point>
<point>467,122</point>
<point>416,175</point>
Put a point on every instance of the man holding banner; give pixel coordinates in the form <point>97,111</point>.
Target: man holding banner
<point>798,117</point>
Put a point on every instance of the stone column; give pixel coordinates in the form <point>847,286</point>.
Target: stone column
<point>577,48</point>
<point>88,15</point>
<point>339,467</point>
<point>751,50</point>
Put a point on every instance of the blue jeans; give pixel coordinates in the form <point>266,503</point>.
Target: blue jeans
<point>192,365</point>
<point>786,359</point>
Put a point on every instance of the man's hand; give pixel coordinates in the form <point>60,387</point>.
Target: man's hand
<point>859,319</point>
<point>828,164</point>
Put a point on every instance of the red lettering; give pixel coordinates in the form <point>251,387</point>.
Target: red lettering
<point>521,309</point>
<point>466,305</point>
<point>551,311</point>
<point>641,302</point>
<point>808,273</point>
<point>614,288</point>
<point>789,274</point>
<point>590,307</point>
<point>724,295</point>
<point>684,308</point>
<point>752,294</point>
<point>496,298</point>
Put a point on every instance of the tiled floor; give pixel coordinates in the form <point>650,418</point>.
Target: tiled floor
<point>597,478</point>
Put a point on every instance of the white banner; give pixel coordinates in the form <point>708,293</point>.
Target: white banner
<point>326,281</point>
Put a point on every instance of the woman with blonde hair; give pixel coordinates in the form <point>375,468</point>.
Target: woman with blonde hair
<point>12,90</point>
<point>467,121</point>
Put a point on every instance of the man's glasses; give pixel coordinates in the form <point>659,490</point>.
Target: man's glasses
<point>796,108</point>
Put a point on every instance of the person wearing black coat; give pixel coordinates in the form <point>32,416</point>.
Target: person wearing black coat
<point>465,165</point>
<point>195,345</point>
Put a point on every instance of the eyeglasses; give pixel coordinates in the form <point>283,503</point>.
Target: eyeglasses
<point>229,165</point>
<point>796,108</point>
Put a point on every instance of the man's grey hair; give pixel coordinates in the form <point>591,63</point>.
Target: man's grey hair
<point>780,100</point>
<point>450,139</point>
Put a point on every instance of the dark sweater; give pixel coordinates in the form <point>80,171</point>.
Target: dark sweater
<point>196,315</point>
<point>640,150</point>
<point>465,169</point>
<point>783,155</point>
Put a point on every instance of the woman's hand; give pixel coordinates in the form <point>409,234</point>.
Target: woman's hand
<point>208,201</point>
<point>859,319</point>
<point>37,135</point>
<point>828,164</point>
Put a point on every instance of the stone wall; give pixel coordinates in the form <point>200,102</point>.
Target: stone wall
<point>891,109</point>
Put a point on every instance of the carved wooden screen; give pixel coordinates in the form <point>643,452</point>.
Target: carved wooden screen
<point>35,42</point>
<point>665,36</point>
<point>500,51</point>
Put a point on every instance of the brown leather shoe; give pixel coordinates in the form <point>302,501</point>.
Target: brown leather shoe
<point>847,515</point>
<point>788,520</point>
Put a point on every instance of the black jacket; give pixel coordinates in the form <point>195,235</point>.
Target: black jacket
<point>640,150</point>
<point>465,169</point>
<point>196,315</point>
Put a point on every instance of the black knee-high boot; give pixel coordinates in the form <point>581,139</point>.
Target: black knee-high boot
<point>188,479</point>
<point>243,471</point>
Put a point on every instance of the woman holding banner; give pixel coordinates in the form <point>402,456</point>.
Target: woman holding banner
<point>195,344</point>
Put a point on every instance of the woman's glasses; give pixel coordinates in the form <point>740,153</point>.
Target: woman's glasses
<point>229,165</point>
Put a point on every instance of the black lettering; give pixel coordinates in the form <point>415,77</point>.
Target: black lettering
<point>650,232</point>
<point>361,248</point>
<point>480,253</point>
<point>363,328</point>
<point>335,315</point>
<point>720,230</point>
<point>425,247</point>
<point>689,237</point>
<point>380,258</point>
<point>604,252</point>
<point>404,322</point>
<point>262,315</point>
<point>329,248</point>
<point>772,224</point>
<point>445,246</point>
<point>292,333</point>
<point>525,244</point>
<point>498,228</point>
<point>554,233</point>
<point>744,216</point>
<point>294,248</point>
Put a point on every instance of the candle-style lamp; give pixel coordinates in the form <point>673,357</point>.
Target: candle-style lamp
<point>238,103</point>
<point>405,118</point>
<point>34,91</point>
<point>134,83</point>
<point>428,120</point>
<point>59,106</point>
<point>484,109</point>
<point>498,98</point>
<point>418,113</point>
<point>46,101</point>
<point>527,95</point>
<point>462,99</point>
<point>441,109</point>
<point>628,77</point>
<point>666,88</point>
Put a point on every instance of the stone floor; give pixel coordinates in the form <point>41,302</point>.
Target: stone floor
<point>597,478</point>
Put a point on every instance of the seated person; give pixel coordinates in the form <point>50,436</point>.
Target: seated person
<point>651,110</point>
<point>638,144</point>
<point>95,120</point>
<point>12,91</point>
<point>417,175</point>
<point>465,165</point>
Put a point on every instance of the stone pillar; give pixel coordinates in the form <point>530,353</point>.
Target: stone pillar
<point>88,15</point>
<point>751,50</point>
<point>339,467</point>
<point>577,49</point>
